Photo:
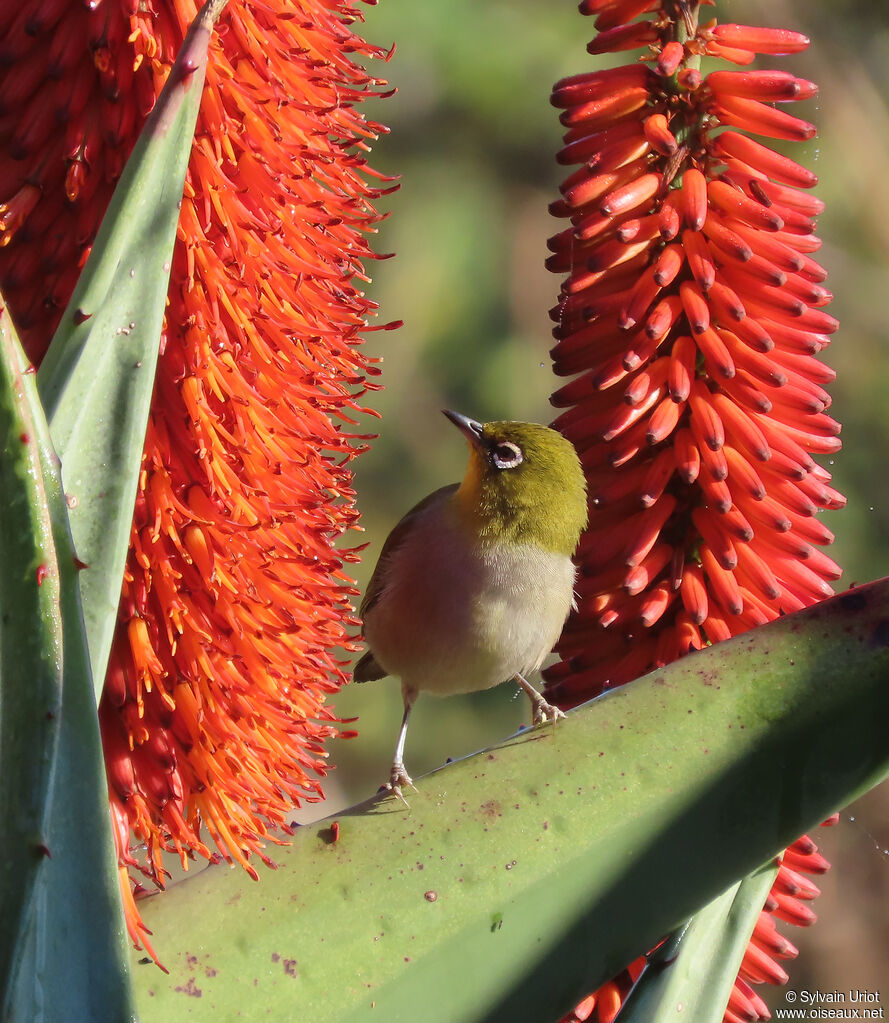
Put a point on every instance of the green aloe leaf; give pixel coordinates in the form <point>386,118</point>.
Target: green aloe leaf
<point>524,876</point>
<point>97,378</point>
<point>62,949</point>
<point>689,979</point>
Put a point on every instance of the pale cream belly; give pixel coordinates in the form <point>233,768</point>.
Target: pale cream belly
<point>452,620</point>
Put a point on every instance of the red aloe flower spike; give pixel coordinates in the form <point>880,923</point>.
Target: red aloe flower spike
<point>693,309</point>
<point>234,599</point>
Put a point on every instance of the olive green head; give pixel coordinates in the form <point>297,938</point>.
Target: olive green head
<point>524,484</point>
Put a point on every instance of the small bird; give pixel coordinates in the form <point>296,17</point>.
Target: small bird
<point>474,584</point>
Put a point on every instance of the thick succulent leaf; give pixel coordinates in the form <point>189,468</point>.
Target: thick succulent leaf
<point>62,949</point>
<point>690,977</point>
<point>97,378</point>
<point>522,877</point>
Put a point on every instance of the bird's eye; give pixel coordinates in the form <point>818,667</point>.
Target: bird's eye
<point>506,455</point>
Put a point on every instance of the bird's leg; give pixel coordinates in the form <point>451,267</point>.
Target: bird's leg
<point>541,710</point>
<point>398,776</point>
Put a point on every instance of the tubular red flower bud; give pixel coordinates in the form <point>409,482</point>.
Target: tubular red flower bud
<point>770,248</point>
<point>762,85</point>
<point>645,382</point>
<point>631,195</point>
<point>624,37</point>
<point>734,144</point>
<point>723,583</point>
<point>760,40</point>
<point>737,524</point>
<point>741,1006</point>
<point>791,882</point>
<point>764,270</point>
<point>733,203</point>
<point>655,604</point>
<point>669,220</point>
<point>695,306</point>
<point>640,298</point>
<point>663,421</point>
<point>762,119</point>
<point>662,318</point>
<point>682,368</point>
<point>694,198</point>
<point>595,84</point>
<point>784,198</point>
<point>694,594</point>
<point>768,512</point>
<point>591,146</point>
<point>716,355</point>
<point>621,12</point>
<point>767,936</point>
<point>595,6</point>
<point>759,967</point>
<point>669,59</point>
<point>627,415</point>
<point>604,110</point>
<point>586,187</point>
<point>668,265</point>
<point>755,572</point>
<point>804,856</point>
<point>730,53</point>
<point>657,477</point>
<point>725,302</point>
<point>649,525</point>
<point>752,360</point>
<point>743,474</point>
<point>688,455</point>
<point>715,537</point>
<point>746,394</point>
<point>728,241</point>
<point>611,254</point>
<point>638,228</point>
<point>740,427</point>
<point>700,259</point>
<point>715,492</point>
<point>689,78</point>
<point>705,414</point>
<point>753,334</point>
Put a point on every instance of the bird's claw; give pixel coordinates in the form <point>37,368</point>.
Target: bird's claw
<point>540,710</point>
<point>398,777</point>
<point>544,711</point>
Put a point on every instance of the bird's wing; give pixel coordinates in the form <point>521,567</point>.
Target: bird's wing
<point>393,541</point>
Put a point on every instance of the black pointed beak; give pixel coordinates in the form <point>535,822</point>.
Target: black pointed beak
<point>470,429</point>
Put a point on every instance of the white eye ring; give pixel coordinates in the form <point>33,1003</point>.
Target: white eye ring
<point>506,455</point>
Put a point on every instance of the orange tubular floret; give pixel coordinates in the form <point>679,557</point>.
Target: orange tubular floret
<point>694,198</point>
<point>761,85</point>
<point>762,119</point>
<point>657,132</point>
<point>760,40</point>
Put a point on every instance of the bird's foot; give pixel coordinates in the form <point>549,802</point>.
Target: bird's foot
<point>540,710</point>
<point>544,712</point>
<point>398,777</point>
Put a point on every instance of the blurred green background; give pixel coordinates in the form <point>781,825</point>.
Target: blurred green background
<point>473,137</point>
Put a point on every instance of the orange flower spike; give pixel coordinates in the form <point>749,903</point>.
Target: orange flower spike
<point>694,308</point>
<point>234,596</point>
